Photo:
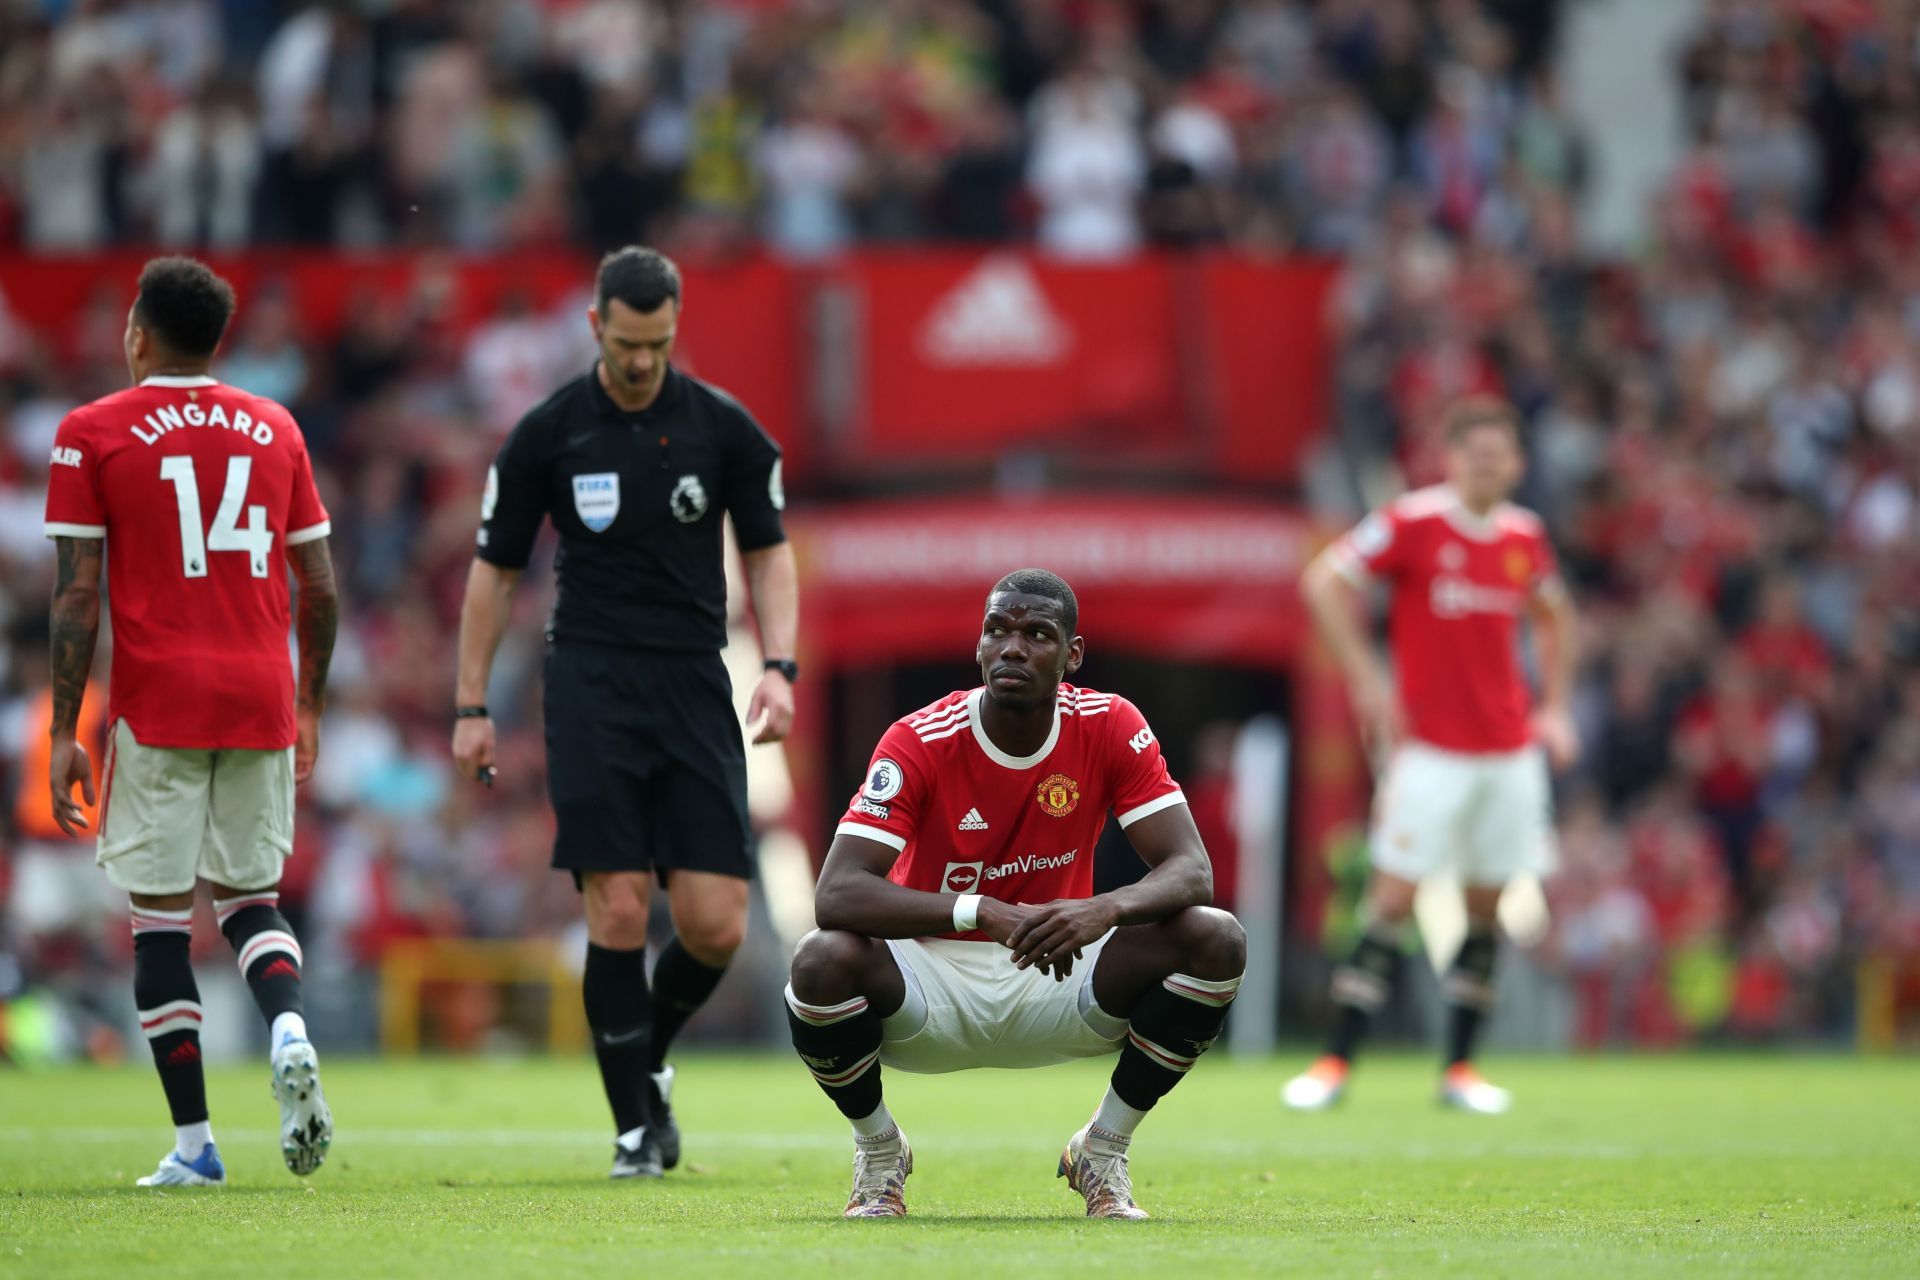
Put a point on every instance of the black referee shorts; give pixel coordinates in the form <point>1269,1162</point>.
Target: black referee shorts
<point>646,764</point>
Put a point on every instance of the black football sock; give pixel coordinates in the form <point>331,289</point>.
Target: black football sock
<point>1362,985</point>
<point>268,953</point>
<point>1469,988</point>
<point>840,1044</point>
<point>614,991</point>
<point>1171,1026</point>
<point>169,1005</point>
<point>681,984</point>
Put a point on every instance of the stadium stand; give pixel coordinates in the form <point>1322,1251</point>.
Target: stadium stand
<point>1725,425</point>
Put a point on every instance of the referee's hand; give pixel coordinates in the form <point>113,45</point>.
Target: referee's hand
<point>771,707</point>
<point>473,748</point>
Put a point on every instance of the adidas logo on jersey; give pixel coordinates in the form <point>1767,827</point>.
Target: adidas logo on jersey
<point>973,821</point>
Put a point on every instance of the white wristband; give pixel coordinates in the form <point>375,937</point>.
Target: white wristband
<point>966,913</point>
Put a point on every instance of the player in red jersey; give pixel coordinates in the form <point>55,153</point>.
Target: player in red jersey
<point>1464,753</point>
<point>200,497</point>
<point>958,923</point>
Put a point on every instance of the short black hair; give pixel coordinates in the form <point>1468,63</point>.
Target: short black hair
<point>1470,413</point>
<point>640,277</point>
<point>1049,586</point>
<point>184,304</point>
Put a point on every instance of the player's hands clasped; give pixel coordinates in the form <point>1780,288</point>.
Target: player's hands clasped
<point>473,744</point>
<point>772,706</point>
<point>67,765</point>
<point>1001,920</point>
<point>1053,934</point>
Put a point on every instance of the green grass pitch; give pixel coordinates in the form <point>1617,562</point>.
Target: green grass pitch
<point>1748,1166</point>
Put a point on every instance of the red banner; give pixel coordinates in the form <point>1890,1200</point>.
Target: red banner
<point>739,331</point>
<point>1213,365</point>
<point>1216,364</point>
<point>1268,353</point>
<point>1187,578</point>
<point>963,355</point>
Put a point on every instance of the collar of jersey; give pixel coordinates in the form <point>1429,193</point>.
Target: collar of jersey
<point>607,407</point>
<point>994,753</point>
<point>180,380</point>
<point>1480,528</point>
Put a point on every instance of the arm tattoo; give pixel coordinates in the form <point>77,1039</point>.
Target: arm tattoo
<point>74,626</point>
<point>317,621</point>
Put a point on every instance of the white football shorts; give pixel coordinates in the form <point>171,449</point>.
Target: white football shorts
<point>983,1012</point>
<point>1485,817</point>
<point>171,816</point>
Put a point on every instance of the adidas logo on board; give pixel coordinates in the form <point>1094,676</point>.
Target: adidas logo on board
<point>997,315</point>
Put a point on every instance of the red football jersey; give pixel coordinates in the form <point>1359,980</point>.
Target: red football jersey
<point>1458,587</point>
<point>969,818</point>
<point>198,489</point>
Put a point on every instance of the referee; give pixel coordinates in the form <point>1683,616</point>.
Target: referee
<point>635,463</point>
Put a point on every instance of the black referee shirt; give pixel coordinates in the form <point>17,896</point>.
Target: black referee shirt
<point>637,500</point>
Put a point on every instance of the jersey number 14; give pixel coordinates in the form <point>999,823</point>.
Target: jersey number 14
<point>226,534</point>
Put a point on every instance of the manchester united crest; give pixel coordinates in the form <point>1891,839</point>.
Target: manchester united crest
<point>1058,794</point>
<point>1519,564</point>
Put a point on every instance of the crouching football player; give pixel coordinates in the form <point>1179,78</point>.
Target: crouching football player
<point>958,924</point>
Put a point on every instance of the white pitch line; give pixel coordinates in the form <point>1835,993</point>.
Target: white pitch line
<point>830,1140</point>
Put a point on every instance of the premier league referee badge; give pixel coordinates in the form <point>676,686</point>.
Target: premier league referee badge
<point>689,500</point>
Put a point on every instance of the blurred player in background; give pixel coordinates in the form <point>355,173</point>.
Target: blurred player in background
<point>637,465</point>
<point>199,496</point>
<point>57,893</point>
<point>1464,757</point>
<point>957,899</point>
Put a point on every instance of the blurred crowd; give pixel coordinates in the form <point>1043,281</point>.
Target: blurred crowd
<point>1089,126</point>
<point>1725,426</point>
<point>1725,439</point>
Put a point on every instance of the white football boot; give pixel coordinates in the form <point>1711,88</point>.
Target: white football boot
<point>1095,1165</point>
<point>880,1169</point>
<point>1464,1088</point>
<point>306,1125</point>
<point>174,1171</point>
<point>1318,1087</point>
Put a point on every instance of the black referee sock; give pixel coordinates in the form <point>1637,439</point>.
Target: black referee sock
<point>1362,985</point>
<point>1172,1025</point>
<point>840,1044</point>
<point>169,1005</point>
<point>614,991</point>
<point>1469,989</point>
<point>681,984</point>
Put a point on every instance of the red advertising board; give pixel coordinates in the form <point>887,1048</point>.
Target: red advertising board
<point>907,577</point>
<point>1215,363</point>
<point>964,354</point>
<point>1268,361</point>
<point>739,330</point>
<point>1218,361</point>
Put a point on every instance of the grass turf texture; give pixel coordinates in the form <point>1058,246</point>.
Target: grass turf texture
<point>1789,1167</point>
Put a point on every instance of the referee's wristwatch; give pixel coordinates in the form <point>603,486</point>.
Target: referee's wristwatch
<point>785,666</point>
